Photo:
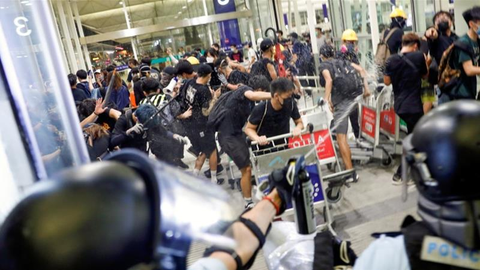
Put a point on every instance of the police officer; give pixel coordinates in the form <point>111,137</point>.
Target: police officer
<point>439,153</point>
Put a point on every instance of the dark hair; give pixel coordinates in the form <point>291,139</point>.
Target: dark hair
<point>471,14</point>
<point>233,45</point>
<point>204,70</point>
<point>72,79</point>
<point>144,112</point>
<point>280,32</point>
<point>117,83</point>
<point>410,39</point>
<point>212,52</point>
<point>82,74</point>
<point>183,66</point>
<point>259,82</point>
<point>442,12</point>
<point>147,61</point>
<point>133,61</point>
<point>319,29</point>
<point>111,68</point>
<point>220,63</point>
<point>216,45</point>
<point>281,85</point>
<point>86,108</point>
<point>150,85</point>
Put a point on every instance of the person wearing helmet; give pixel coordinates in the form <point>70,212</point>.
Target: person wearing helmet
<point>399,21</point>
<point>349,49</point>
<point>343,84</point>
<point>447,236</point>
<point>265,66</point>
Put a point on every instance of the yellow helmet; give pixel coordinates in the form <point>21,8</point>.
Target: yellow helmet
<point>398,13</point>
<point>349,35</point>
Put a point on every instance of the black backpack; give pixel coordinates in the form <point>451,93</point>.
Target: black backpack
<point>345,79</point>
<point>260,68</point>
<point>216,116</point>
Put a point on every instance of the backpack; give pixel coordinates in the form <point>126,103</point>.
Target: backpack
<point>449,78</point>
<point>260,68</point>
<point>346,80</point>
<point>383,51</point>
<point>217,114</point>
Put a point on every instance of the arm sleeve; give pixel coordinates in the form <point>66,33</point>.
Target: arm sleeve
<point>395,41</point>
<point>295,112</point>
<point>423,63</point>
<point>119,135</point>
<point>257,114</point>
<point>463,56</point>
<point>129,77</point>
<point>389,67</point>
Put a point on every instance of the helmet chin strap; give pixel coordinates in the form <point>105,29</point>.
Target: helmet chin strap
<point>456,221</point>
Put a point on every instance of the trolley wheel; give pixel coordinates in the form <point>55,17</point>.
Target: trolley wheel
<point>331,197</point>
<point>388,161</point>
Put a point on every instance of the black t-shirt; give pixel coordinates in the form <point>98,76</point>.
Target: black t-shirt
<point>438,46</point>
<point>407,81</point>
<point>237,77</point>
<point>138,90</point>
<point>129,76</point>
<point>214,80</point>
<point>197,96</point>
<point>238,56</point>
<point>78,95</point>
<point>106,121</point>
<point>99,148</point>
<point>119,136</point>
<point>395,41</point>
<point>275,122</point>
<point>240,108</point>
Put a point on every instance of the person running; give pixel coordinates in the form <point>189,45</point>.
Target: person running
<point>265,66</point>
<point>230,135</point>
<point>343,84</point>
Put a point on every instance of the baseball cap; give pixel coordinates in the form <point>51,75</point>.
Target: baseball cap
<point>183,66</point>
<point>204,70</point>
<point>170,70</point>
<point>293,35</point>
<point>266,44</point>
<point>144,68</point>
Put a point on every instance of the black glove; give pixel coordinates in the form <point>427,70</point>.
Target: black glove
<point>278,179</point>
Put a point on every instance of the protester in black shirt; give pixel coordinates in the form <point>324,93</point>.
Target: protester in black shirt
<point>440,36</point>
<point>91,111</point>
<point>97,139</point>
<point>235,54</point>
<point>343,84</point>
<point>404,71</point>
<point>272,118</point>
<point>230,135</point>
<point>399,21</point>
<point>137,86</point>
<point>132,63</point>
<point>197,95</point>
<point>265,66</point>
<point>231,79</point>
<point>153,72</point>
<point>78,94</point>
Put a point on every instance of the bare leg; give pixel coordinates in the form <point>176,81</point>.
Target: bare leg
<point>246,182</point>
<point>200,160</point>
<point>345,150</point>
<point>213,161</point>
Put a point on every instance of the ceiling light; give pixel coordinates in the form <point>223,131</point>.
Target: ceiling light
<point>184,7</point>
<point>25,2</point>
<point>189,1</point>
<point>121,3</point>
<point>28,4</point>
<point>179,12</point>
<point>176,17</point>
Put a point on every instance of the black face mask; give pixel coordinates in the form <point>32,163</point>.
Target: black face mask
<point>401,23</point>
<point>443,27</point>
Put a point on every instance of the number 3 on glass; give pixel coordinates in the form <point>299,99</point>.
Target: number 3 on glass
<point>21,23</point>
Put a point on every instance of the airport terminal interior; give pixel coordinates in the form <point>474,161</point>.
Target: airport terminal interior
<point>239,134</point>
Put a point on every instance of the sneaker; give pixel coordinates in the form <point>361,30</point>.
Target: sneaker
<point>208,174</point>
<point>220,181</point>
<point>353,178</point>
<point>397,180</point>
<point>249,205</point>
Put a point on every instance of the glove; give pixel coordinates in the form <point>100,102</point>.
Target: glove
<point>137,129</point>
<point>222,79</point>
<point>181,139</point>
<point>278,179</point>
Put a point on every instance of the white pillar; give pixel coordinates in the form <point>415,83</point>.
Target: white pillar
<point>59,37</point>
<point>372,11</point>
<point>73,33</point>
<point>311,26</point>
<point>461,26</point>
<point>86,54</point>
<point>67,38</point>
<point>298,22</point>
<point>208,25</point>
<point>127,20</point>
<point>280,15</point>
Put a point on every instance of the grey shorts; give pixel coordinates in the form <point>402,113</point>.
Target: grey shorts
<point>340,118</point>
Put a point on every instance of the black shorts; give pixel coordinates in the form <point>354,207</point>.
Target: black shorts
<point>236,148</point>
<point>202,141</point>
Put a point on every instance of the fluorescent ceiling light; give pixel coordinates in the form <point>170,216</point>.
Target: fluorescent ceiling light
<point>179,12</point>
<point>189,1</point>
<point>184,7</point>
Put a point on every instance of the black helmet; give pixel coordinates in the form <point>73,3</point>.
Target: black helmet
<point>77,221</point>
<point>266,44</point>
<point>444,150</point>
<point>327,51</point>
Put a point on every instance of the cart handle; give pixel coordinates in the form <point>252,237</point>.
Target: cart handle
<point>283,136</point>
<point>319,104</point>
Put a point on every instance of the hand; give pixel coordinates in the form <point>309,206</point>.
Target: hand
<point>366,93</point>
<point>186,114</point>
<point>223,79</point>
<point>98,107</point>
<point>279,184</point>
<point>217,93</point>
<point>137,129</point>
<point>297,131</point>
<point>330,104</point>
<point>431,33</point>
<point>262,140</point>
<point>180,139</point>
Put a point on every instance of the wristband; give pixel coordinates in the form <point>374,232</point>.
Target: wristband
<point>95,113</point>
<point>277,208</point>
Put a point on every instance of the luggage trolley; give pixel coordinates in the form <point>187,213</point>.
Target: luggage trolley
<point>370,119</point>
<point>389,123</point>
<point>264,161</point>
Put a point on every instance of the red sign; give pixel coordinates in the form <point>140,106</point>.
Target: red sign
<point>323,141</point>
<point>387,121</point>
<point>368,121</point>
